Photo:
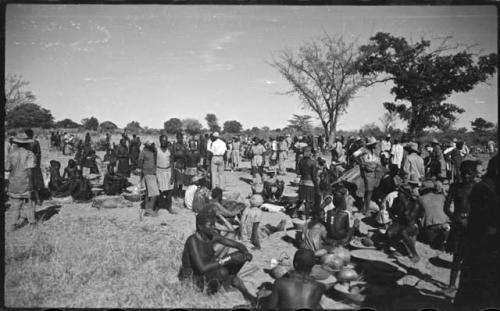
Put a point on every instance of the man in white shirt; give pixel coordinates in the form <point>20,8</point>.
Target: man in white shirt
<point>218,149</point>
<point>397,152</point>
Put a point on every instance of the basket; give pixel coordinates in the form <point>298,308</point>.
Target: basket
<point>319,274</point>
<point>356,298</point>
<point>132,197</point>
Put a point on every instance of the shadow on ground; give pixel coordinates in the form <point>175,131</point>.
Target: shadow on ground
<point>47,213</point>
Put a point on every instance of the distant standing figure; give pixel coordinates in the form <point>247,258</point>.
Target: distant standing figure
<point>37,176</point>
<point>20,163</point>
<point>236,153</point>
<point>134,150</point>
<point>218,149</point>
<point>123,158</point>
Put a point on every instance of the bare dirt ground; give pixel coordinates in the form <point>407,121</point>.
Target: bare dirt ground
<point>79,256</point>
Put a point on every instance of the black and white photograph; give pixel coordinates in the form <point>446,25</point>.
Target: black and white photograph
<point>251,156</point>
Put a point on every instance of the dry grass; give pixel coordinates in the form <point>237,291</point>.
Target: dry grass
<point>100,262</point>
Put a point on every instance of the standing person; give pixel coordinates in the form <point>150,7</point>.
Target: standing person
<point>299,290</point>
<point>437,165</point>
<point>200,265</point>
<point>491,146</point>
<point>192,161</point>
<point>299,149</point>
<point>413,163</point>
<point>308,186</point>
<point>179,160</point>
<point>455,159</point>
<point>397,153</point>
<point>385,151</point>
<point>20,163</point>
<point>134,150</point>
<point>257,162</point>
<point>107,142</point>
<point>147,165</point>
<point>459,195</point>
<point>218,149</point>
<point>165,171</point>
<point>282,155</point>
<point>123,159</point>
<point>235,156</point>
<point>227,155</point>
<point>370,162</point>
<point>274,152</point>
<point>203,145</point>
<point>321,143</point>
<point>480,276</point>
<point>38,183</point>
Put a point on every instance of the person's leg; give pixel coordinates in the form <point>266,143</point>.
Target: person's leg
<point>29,207</point>
<point>13,215</point>
<point>456,263</point>
<point>213,171</point>
<point>367,199</point>
<point>407,235</point>
<point>220,174</point>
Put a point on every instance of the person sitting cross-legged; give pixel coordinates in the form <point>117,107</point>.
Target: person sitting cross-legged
<point>298,290</point>
<point>114,184</point>
<point>200,265</point>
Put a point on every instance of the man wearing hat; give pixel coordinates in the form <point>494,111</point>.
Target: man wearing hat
<point>437,164</point>
<point>385,150</point>
<point>20,163</point>
<point>413,162</point>
<point>370,162</point>
<point>217,148</point>
<point>435,224</point>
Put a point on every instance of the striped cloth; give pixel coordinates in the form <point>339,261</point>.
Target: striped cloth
<point>163,175</point>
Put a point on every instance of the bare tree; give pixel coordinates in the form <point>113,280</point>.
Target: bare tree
<point>325,76</point>
<point>388,120</point>
<point>301,123</point>
<point>15,94</point>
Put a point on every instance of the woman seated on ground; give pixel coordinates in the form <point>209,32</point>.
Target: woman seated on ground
<point>79,188</point>
<point>314,238</point>
<point>201,266</point>
<point>56,182</point>
<point>201,196</point>
<point>114,184</point>
<point>250,228</point>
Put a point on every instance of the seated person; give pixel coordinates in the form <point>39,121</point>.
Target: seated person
<point>79,188</point>
<point>200,264</point>
<point>273,189</point>
<point>435,223</point>
<point>215,205</point>
<point>338,222</point>
<point>94,168</point>
<point>190,192</point>
<point>405,211</point>
<point>250,228</point>
<point>114,184</point>
<point>71,171</point>
<point>298,290</point>
<point>314,238</point>
<point>201,196</point>
<point>389,183</point>
<point>56,181</point>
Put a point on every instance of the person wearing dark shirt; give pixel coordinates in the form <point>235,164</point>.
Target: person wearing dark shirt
<point>201,266</point>
<point>114,184</point>
<point>308,184</point>
<point>459,195</point>
<point>179,161</point>
<point>134,150</point>
<point>123,158</point>
<point>480,276</point>
<point>298,290</point>
<point>389,183</point>
<point>56,181</point>
<point>36,175</point>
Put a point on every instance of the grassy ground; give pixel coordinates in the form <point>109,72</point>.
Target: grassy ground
<point>84,257</point>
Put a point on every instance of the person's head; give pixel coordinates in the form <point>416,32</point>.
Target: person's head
<point>321,161</point>
<point>217,194</point>
<point>393,169</point>
<point>468,170</point>
<point>163,141</point>
<point>303,261</point>
<point>71,163</point>
<point>179,137</point>
<point>110,168</point>
<point>205,224</point>
<point>123,142</point>
<point>29,133</point>
<point>371,143</point>
<point>307,151</point>
<point>388,137</point>
<point>460,145</point>
<point>55,164</point>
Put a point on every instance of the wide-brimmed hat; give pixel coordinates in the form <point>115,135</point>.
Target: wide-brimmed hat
<point>413,146</point>
<point>22,138</point>
<point>388,135</point>
<point>371,141</point>
<point>197,178</point>
<point>148,142</point>
<point>434,141</point>
<point>215,134</point>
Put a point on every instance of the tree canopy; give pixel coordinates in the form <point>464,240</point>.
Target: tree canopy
<point>133,127</point>
<point>424,78</point>
<point>90,123</point>
<point>300,123</point>
<point>192,126</point>
<point>212,122</point>
<point>233,127</point>
<point>29,115</point>
<point>15,94</point>
<point>107,126</point>
<point>67,124</point>
<point>173,125</point>
<point>480,125</point>
<point>324,75</point>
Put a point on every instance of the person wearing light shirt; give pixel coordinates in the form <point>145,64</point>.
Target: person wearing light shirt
<point>218,148</point>
<point>397,152</point>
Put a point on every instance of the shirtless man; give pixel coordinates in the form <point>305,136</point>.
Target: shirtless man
<point>200,264</point>
<point>337,220</point>
<point>299,290</point>
<point>459,194</point>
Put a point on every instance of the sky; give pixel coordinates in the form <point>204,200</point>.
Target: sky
<point>149,63</point>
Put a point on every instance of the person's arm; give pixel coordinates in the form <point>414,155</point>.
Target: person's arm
<point>255,235</point>
<point>448,201</point>
<point>197,260</point>
<point>230,243</point>
<point>225,212</point>
<point>314,175</point>
<point>226,223</point>
<point>274,298</point>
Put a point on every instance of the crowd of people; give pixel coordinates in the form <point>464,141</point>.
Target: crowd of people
<point>430,192</point>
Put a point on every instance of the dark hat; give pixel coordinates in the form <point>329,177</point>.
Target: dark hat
<point>22,138</point>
